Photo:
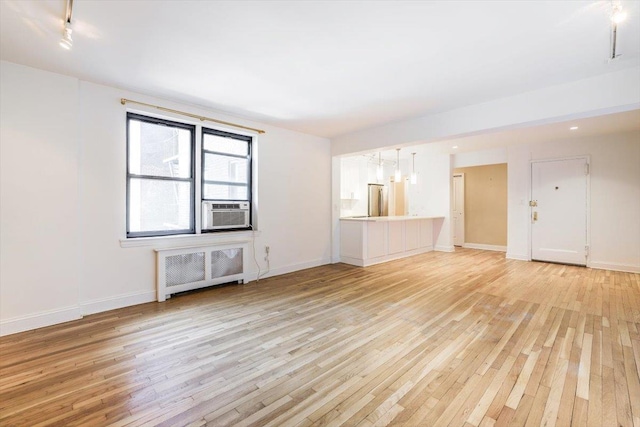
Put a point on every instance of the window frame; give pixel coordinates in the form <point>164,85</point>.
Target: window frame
<point>192,179</point>
<point>248,157</point>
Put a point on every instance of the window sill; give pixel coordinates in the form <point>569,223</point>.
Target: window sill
<point>188,239</point>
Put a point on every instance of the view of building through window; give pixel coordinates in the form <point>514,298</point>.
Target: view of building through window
<point>160,177</point>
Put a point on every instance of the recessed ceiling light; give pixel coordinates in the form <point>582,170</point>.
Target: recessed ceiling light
<point>573,128</point>
<point>454,147</point>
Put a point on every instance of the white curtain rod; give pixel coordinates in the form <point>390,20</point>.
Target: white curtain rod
<point>124,101</point>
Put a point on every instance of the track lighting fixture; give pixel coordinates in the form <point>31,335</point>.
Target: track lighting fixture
<point>617,16</point>
<point>67,42</point>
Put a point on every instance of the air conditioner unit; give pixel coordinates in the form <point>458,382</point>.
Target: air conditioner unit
<point>218,215</point>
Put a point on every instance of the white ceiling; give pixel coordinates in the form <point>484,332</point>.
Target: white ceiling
<point>322,67</point>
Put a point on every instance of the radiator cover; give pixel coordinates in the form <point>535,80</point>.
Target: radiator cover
<point>187,268</point>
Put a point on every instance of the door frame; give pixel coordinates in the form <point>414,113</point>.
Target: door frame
<point>587,158</point>
<point>460,174</point>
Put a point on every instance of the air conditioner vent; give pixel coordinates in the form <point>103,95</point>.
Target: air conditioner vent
<point>228,218</point>
<point>225,206</point>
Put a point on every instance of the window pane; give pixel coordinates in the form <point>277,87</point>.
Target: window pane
<point>224,192</point>
<point>159,205</point>
<point>224,168</point>
<point>222,144</point>
<point>159,150</point>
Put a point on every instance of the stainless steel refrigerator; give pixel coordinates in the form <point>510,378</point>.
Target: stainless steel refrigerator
<point>378,200</point>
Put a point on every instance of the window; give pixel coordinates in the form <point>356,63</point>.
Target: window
<point>160,177</point>
<point>226,166</point>
<point>163,181</point>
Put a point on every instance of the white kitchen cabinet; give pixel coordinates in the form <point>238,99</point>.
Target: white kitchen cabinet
<point>412,235</point>
<point>368,241</point>
<point>396,237</point>
<point>376,239</point>
<point>426,232</point>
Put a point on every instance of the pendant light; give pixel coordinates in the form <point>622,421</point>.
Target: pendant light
<point>379,170</point>
<point>414,176</point>
<point>398,175</point>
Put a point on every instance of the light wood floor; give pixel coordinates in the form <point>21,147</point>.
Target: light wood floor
<point>464,339</point>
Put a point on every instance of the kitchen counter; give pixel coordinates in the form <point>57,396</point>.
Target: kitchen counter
<point>387,218</point>
<point>372,240</point>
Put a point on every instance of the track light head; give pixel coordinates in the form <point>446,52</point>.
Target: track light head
<point>66,42</point>
<point>618,14</point>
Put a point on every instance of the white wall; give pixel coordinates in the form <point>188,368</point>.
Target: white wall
<point>39,240</point>
<point>480,158</point>
<point>74,177</point>
<point>431,195</point>
<point>615,196</point>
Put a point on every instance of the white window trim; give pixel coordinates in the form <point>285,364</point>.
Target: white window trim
<point>179,240</point>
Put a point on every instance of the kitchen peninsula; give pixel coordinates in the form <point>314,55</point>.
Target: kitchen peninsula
<point>366,241</point>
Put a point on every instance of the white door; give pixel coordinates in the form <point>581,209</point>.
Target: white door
<point>559,211</point>
<point>458,209</point>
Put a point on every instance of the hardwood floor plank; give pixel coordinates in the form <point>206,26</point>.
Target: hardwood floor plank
<point>594,414</point>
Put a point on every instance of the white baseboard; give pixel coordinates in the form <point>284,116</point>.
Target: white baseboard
<point>289,268</point>
<point>519,257</point>
<point>39,320</point>
<point>614,266</point>
<point>354,261</point>
<point>485,247</point>
<point>386,258</point>
<point>119,301</point>
<point>445,248</point>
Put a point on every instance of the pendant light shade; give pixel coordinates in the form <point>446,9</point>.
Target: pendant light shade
<point>414,176</point>
<point>398,175</point>
<point>379,170</point>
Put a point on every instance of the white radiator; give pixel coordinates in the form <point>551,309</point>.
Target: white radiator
<point>184,269</point>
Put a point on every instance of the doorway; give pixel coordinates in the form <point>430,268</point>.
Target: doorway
<point>458,209</point>
<point>559,209</point>
<point>479,207</point>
